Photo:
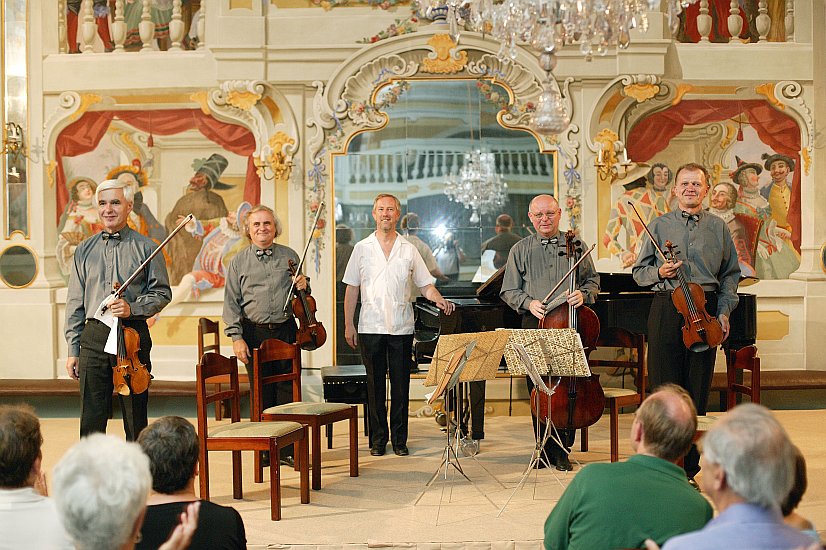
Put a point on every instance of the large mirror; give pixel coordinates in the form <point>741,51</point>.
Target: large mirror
<point>446,156</point>
<point>15,177</point>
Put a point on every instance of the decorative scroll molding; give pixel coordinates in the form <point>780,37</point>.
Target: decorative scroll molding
<point>642,88</point>
<point>789,94</point>
<point>445,57</point>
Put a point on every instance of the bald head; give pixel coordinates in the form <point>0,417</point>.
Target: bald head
<point>544,214</point>
<point>668,420</point>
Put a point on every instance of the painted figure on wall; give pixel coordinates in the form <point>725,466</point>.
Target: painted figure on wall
<point>141,219</point>
<point>776,257</point>
<point>202,202</point>
<point>79,221</point>
<point>647,187</point>
<point>222,241</point>
<point>744,229</point>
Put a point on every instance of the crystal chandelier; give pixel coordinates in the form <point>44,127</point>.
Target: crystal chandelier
<point>477,186</point>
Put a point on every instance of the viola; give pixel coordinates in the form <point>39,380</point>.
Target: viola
<point>311,334</point>
<point>576,402</point>
<point>701,330</point>
<point>129,375</point>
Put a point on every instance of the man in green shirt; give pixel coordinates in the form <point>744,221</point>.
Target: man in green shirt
<point>621,504</point>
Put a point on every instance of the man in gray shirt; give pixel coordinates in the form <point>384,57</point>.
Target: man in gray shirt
<point>534,267</point>
<point>708,258</point>
<point>101,260</point>
<point>257,284</point>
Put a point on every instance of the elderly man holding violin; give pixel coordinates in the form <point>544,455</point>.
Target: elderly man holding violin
<point>535,266</point>
<point>691,262</point>
<point>258,283</point>
<point>114,256</point>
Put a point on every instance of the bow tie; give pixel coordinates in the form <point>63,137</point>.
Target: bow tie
<point>692,217</point>
<point>261,253</point>
<point>106,236</point>
<point>546,242</point>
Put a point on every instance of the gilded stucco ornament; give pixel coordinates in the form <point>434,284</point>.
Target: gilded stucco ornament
<point>277,158</point>
<point>445,57</point>
<point>641,92</point>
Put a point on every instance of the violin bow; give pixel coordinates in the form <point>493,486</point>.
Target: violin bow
<point>304,255</point>
<point>650,236</point>
<point>573,268</point>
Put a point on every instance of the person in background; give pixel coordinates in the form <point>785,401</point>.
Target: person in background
<point>748,471</point>
<point>28,517</point>
<point>410,227</point>
<point>449,255</point>
<point>621,504</point>
<point>172,447</point>
<point>790,517</point>
<point>504,240</point>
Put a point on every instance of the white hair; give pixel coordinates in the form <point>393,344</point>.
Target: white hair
<point>755,453</point>
<point>101,485</point>
<point>128,191</point>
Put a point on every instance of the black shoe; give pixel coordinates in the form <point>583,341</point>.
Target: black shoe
<point>287,461</point>
<point>540,464</point>
<point>401,450</point>
<point>562,463</point>
<point>378,449</point>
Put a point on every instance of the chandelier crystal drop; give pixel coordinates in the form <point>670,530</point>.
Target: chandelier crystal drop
<point>477,185</point>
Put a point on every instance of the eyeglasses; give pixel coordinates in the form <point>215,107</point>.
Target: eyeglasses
<point>548,215</point>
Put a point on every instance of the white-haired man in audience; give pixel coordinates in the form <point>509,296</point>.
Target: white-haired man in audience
<point>748,470</point>
<point>101,485</point>
<point>28,518</point>
<point>621,504</point>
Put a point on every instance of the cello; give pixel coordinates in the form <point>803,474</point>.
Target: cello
<point>701,330</point>
<point>575,403</point>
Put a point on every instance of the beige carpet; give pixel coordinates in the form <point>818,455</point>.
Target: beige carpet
<point>378,508</point>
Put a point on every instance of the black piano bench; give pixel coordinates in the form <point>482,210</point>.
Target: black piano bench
<point>345,384</point>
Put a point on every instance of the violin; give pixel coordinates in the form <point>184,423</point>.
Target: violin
<point>576,402</point>
<point>701,330</point>
<point>129,375</point>
<point>311,334</point>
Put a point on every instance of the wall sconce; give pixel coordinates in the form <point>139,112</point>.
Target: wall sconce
<point>278,170</point>
<point>276,160</point>
<point>13,139</point>
<point>612,160</point>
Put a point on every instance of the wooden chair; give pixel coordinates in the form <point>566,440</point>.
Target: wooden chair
<point>616,398</point>
<point>738,361</point>
<point>208,327</point>
<point>315,415</point>
<point>240,436</point>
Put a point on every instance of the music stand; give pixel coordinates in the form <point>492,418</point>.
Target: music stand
<point>450,457</point>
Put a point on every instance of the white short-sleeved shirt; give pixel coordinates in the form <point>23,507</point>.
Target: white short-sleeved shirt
<point>385,284</point>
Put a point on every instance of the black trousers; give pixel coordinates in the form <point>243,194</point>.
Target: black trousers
<point>383,354</point>
<point>96,386</point>
<point>552,449</point>
<point>282,392</point>
<point>669,361</point>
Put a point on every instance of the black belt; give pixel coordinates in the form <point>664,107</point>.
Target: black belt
<point>268,326</point>
<point>131,323</point>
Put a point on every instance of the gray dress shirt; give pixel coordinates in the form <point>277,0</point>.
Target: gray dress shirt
<point>256,288</point>
<point>97,264</point>
<point>533,269</point>
<point>706,249</point>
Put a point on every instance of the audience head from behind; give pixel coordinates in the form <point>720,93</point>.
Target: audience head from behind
<point>665,424</point>
<point>172,447</point>
<point>748,458</point>
<point>101,485</point>
<point>20,442</point>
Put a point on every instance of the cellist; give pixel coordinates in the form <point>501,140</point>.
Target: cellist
<point>708,258</point>
<point>258,282</point>
<point>533,268</point>
<point>99,261</point>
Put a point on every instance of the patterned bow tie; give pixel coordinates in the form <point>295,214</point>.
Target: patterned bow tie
<point>692,217</point>
<point>106,236</point>
<point>261,253</point>
<point>546,242</point>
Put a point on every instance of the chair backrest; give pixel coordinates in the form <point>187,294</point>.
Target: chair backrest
<point>274,350</point>
<point>211,365</point>
<point>205,328</point>
<point>743,359</point>
<point>634,343</point>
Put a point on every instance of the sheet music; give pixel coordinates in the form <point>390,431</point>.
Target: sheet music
<point>557,352</point>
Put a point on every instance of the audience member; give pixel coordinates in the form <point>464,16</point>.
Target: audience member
<point>172,447</point>
<point>504,240</point>
<point>620,504</point>
<point>28,518</point>
<point>790,517</point>
<point>101,485</point>
<point>748,470</point>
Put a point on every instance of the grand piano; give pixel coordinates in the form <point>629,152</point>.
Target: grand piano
<point>621,303</point>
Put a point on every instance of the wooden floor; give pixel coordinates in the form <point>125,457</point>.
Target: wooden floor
<point>379,508</point>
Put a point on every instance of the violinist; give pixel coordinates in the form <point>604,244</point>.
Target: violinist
<point>708,258</point>
<point>534,267</point>
<point>257,283</point>
<point>101,260</point>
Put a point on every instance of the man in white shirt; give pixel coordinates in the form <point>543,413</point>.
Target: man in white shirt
<point>383,267</point>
